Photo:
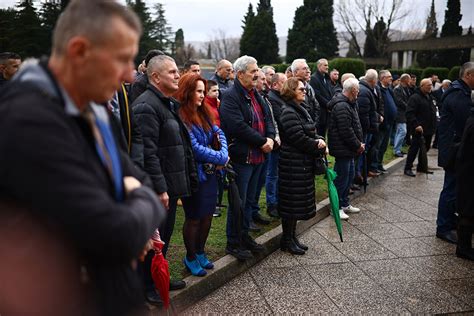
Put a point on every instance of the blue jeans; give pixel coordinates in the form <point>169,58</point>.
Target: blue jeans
<point>399,137</point>
<point>344,168</point>
<point>247,181</point>
<point>253,199</point>
<point>446,219</point>
<point>272,178</point>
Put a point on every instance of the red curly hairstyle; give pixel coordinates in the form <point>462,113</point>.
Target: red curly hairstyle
<point>188,111</point>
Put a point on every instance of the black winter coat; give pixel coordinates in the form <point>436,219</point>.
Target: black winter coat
<point>236,121</point>
<point>465,172</point>
<point>322,90</point>
<point>421,110</point>
<point>345,133</point>
<point>367,106</point>
<point>277,103</point>
<point>401,100</point>
<point>312,105</point>
<point>49,164</point>
<point>168,155</point>
<point>296,189</point>
<point>456,106</point>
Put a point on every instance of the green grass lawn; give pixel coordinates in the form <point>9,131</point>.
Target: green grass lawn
<point>215,247</point>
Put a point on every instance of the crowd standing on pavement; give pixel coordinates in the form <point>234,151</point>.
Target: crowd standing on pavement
<point>102,165</point>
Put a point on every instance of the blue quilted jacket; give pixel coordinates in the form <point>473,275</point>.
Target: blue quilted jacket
<point>203,153</point>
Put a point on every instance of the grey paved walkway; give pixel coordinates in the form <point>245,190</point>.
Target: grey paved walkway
<point>390,262</point>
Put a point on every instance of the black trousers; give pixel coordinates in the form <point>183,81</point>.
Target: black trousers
<point>414,150</point>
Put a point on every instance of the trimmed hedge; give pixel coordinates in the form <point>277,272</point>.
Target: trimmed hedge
<point>440,71</point>
<point>280,67</point>
<point>454,73</point>
<point>345,65</point>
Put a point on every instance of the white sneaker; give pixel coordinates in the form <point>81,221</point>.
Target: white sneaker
<point>351,209</point>
<point>343,215</point>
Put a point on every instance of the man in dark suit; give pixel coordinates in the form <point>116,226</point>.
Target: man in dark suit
<point>62,164</point>
<point>321,83</point>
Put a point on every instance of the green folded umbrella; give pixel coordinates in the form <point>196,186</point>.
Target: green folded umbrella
<point>334,199</point>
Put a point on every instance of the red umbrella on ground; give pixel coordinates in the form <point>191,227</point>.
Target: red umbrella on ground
<point>160,270</point>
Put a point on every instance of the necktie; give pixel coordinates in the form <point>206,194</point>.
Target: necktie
<point>107,150</point>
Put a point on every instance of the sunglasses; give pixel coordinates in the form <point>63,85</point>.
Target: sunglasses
<point>302,89</point>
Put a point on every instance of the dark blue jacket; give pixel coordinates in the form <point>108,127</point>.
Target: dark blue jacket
<point>201,141</point>
<point>456,109</point>
<point>236,122</point>
<point>390,107</point>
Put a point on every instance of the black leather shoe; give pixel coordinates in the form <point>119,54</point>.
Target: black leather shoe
<point>290,246</point>
<point>449,236</point>
<point>177,285</point>
<point>399,155</point>
<point>272,211</point>
<point>250,244</point>
<point>238,252</point>
<point>465,253</point>
<point>153,298</point>
<point>409,173</point>
<point>259,219</point>
<point>423,171</point>
<point>254,228</point>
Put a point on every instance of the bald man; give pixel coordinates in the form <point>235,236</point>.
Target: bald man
<point>421,117</point>
<point>222,75</point>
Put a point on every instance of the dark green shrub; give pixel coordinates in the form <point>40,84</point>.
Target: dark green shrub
<point>345,65</point>
<point>414,71</point>
<point>440,71</point>
<point>280,67</point>
<point>454,73</point>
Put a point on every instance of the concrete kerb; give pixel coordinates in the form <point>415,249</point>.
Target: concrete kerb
<point>228,267</point>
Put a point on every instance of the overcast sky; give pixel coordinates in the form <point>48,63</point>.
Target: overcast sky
<point>200,18</point>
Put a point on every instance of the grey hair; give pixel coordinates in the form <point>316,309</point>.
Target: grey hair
<point>350,84</point>
<point>446,81</point>
<point>466,68</point>
<point>265,69</point>
<point>405,76</point>
<point>371,75</point>
<point>91,19</point>
<point>320,61</point>
<point>383,74</point>
<point>242,63</point>
<point>156,64</point>
<point>295,63</point>
<point>346,76</point>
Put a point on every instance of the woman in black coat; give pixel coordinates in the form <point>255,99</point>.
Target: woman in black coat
<point>296,166</point>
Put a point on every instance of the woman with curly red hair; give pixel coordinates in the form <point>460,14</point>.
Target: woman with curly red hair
<point>210,153</point>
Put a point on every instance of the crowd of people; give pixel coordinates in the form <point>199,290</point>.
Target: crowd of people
<point>100,158</point>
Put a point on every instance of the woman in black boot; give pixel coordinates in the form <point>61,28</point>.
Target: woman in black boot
<point>296,166</point>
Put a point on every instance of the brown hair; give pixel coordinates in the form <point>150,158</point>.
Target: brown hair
<point>288,92</point>
<point>189,113</point>
<point>91,19</point>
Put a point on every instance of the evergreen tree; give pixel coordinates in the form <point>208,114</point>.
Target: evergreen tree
<point>179,47</point>
<point>209,51</point>
<point>452,17</point>
<point>146,41</point>
<point>469,31</point>
<point>248,36</point>
<point>161,32</point>
<point>451,27</point>
<point>49,14</point>
<point>428,57</point>
<point>431,24</point>
<point>324,32</point>
<point>7,25</point>
<point>370,47</point>
<point>313,35</point>
<point>376,40</point>
<point>27,37</point>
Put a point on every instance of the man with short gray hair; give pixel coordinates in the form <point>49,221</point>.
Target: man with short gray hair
<point>222,75</point>
<point>269,72</point>
<point>247,123</point>
<point>60,159</point>
<point>301,70</point>
<point>165,140</point>
<point>345,141</point>
<point>321,84</point>
<point>402,94</point>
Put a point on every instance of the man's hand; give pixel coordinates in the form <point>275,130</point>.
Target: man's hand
<point>419,129</point>
<point>165,199</point>
<point>130,184</point>
<point>321,144</point>
<point>361,149</point>
<point>381,119</point>
<point>268,146</point>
